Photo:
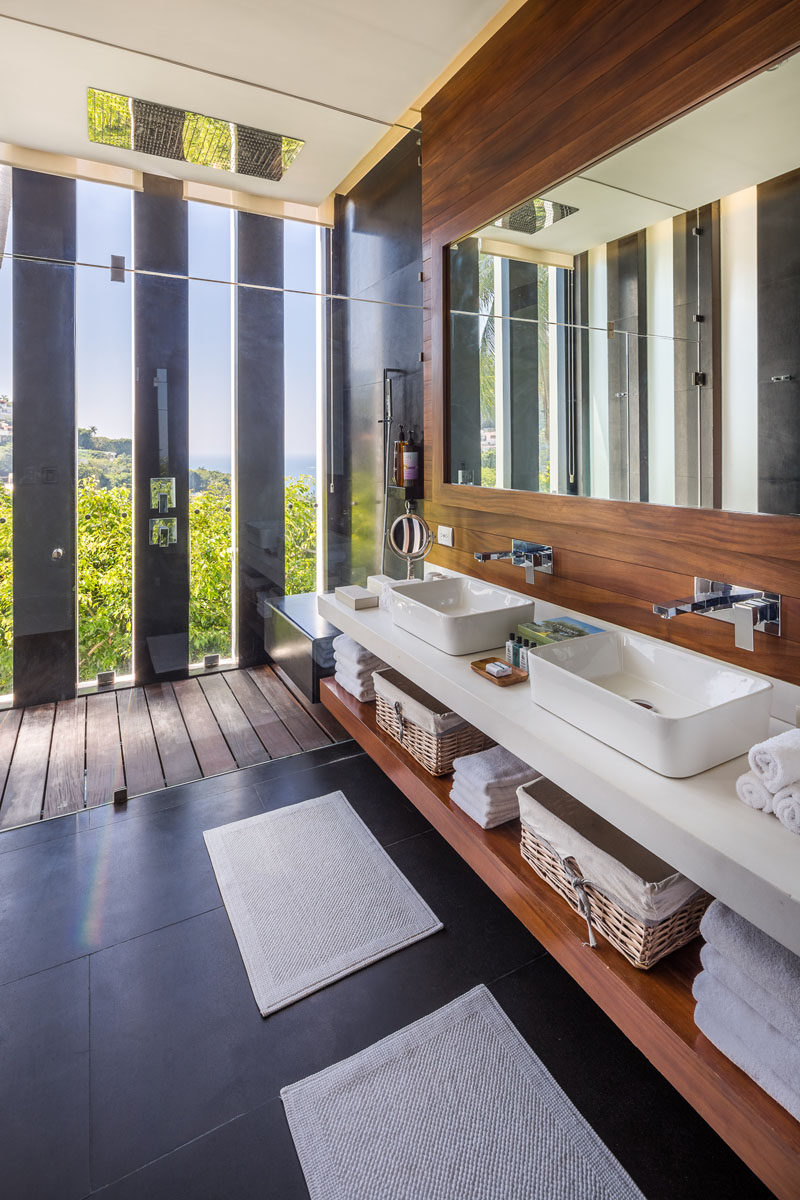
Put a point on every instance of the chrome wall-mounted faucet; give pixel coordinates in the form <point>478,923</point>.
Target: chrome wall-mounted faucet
<point>747,609</point>
<point>531,555</point>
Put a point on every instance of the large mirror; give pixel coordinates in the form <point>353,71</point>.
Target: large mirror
<point>634,333</point>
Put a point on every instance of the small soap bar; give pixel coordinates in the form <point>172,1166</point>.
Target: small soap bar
<point>498,669</point>
<point>355,596</point>
<point>375,583</point>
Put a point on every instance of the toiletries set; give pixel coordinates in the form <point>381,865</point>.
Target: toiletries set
<point>517,649</point>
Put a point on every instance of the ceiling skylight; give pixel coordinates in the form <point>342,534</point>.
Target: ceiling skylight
<point>191,137</point>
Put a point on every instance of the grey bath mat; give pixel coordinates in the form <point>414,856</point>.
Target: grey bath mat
<point>312,896</point>
<point>454,1107</point>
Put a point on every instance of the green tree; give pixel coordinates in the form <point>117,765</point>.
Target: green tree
<point>301,535</point>
<point>105,524</point>
<point>210,571</point>
<point>105,578</point>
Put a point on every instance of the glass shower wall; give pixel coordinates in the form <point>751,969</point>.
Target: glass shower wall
<point>104,411</point>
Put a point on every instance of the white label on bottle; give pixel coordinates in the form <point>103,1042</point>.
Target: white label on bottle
<point>410,458</point>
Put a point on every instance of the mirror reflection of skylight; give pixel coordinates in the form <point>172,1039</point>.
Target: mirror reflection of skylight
<point>185,136</point>
<point>534,215</point>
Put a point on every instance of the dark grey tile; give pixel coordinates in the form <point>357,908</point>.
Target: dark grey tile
<point>660,1140</point>
<point>233,781</point>
<point>44,1084</point>
<point>38,832</point>
<point>252,1155</point>
<point>173,1025</point>
<point>75,895</point>
<point>376,800</point>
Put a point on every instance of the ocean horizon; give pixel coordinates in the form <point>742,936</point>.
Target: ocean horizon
<point>295,464</point>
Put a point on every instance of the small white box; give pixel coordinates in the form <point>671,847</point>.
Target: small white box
<point>444,535</point>
<point>375,583</point>
<point>355,596</point>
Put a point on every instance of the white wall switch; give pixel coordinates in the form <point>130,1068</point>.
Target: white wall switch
<point>444,535</point>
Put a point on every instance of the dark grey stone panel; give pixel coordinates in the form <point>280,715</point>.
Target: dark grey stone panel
<point>259,424</point>
<point>161,429</point>
<point>45,647</point>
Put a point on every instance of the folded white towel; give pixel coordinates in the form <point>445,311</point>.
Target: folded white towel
<point>755,953</point>
<point>350,649</point>
<point>364,692</point>
<point>751,790</point>
<point>496,793</point>
<point>776,761</point>
<point>493,766</point>
<point>783,1016</point>
<point>356,671</point>
<point>765,1045</point>
<point>786,806</point>
<point>486,820</point>
<point>715,1022</point>
<point>507,808</point>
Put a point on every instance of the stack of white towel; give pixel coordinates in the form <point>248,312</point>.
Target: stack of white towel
<point>485,785</point>
<point>773,781</point>
<point>354,667</point>
<point>748,1002</point>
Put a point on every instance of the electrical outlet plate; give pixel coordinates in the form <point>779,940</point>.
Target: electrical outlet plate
<point>444,535</point>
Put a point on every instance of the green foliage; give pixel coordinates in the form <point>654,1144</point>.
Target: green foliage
<point>109,118</point>
<point>489,468</point>
<point>210,571</point>
<point>301,535</point>
<point>105,539</point>
<point>207,140</point>
<point>290,148</point>
<point>105,578</point>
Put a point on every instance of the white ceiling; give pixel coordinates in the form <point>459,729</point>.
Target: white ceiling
<point>369,57</point>
<point>743,137</point>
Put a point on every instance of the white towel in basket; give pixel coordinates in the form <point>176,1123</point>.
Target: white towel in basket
<point>776,761</point>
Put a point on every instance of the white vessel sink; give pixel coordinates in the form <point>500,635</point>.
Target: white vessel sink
<point>459,616</point>
<point>703,713</point>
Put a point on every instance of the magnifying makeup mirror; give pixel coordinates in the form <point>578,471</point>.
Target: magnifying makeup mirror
<point>410,538</point>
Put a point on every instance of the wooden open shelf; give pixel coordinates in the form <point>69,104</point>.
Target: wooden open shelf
<point>653,1008</point>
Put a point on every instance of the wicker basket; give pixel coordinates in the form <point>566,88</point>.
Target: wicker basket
<point>643,942</point>
<point>436,737</point>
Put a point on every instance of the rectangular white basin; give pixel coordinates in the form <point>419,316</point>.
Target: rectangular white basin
<point>459,616</point>
<point>703,712</point>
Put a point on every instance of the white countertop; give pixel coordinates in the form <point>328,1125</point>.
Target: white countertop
<point>699,825</point>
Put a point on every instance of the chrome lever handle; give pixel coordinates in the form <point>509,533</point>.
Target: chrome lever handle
<point>745,619</point>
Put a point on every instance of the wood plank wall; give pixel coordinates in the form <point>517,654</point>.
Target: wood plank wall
<point>558,88</point>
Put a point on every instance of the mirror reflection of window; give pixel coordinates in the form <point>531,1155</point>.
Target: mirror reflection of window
<point>627,334</point>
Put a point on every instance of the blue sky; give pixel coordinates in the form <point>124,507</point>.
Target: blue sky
<point>103,326</point>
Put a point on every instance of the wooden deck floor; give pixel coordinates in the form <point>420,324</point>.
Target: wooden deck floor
<point>58,758</point>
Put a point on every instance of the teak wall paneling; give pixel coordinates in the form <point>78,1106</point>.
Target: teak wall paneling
<point>560,87</point>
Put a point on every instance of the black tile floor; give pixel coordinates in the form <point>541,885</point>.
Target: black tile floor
<point>133,1060</point>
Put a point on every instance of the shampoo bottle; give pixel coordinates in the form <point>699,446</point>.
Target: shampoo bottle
<point>397,468</point>
<point>510,649</point>
<point>410,461</point>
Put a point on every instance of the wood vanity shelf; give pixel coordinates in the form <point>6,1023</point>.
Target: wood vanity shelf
<point>654,1009</point>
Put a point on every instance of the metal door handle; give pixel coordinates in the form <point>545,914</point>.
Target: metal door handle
<point>57,553</point>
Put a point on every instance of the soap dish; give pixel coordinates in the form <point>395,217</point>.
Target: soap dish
<point>517,674</point>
